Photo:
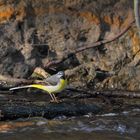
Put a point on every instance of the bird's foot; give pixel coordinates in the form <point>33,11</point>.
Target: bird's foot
<point>55,101</point>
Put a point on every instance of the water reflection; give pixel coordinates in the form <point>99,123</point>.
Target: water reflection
<point>112,126</point>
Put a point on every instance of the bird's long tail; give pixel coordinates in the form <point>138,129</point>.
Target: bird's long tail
<point>14,88</point>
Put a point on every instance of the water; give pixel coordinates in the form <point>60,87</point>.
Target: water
<point>111,126</point>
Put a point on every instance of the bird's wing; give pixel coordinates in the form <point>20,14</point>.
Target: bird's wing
<point>52,80</point>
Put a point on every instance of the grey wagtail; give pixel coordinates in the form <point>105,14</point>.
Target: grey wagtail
<point>56,82</point>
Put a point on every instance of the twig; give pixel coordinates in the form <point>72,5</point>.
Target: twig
<point>55,62</point>
<point>10,81</point>
<point>136,11</point>
<point>109,93</point>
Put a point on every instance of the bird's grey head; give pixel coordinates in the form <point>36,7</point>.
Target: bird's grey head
<point>61,74</point>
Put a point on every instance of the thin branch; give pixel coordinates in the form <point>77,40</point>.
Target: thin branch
<point>56,62</point>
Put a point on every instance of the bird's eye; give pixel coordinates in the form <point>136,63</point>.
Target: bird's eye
<point>60,73</point>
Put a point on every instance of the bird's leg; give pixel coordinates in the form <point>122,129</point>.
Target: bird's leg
<point>55,98</point>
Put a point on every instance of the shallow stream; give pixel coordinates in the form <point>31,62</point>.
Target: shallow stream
<point>111,126</point>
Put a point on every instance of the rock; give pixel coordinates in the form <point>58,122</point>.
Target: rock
<point>32,33</point>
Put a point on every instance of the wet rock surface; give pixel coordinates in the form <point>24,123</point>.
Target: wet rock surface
<point>32,33</point>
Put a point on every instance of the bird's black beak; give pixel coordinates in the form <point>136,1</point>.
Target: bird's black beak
<point>63,77</point>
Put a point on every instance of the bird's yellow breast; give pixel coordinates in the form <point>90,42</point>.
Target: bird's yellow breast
<point>62,84</point>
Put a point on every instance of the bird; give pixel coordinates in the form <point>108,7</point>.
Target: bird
<point>57,83</point>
